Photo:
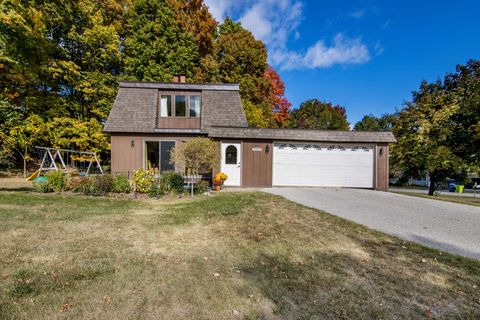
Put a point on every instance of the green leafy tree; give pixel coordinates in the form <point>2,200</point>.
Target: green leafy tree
<point>25,135</point>
<point>155,46</point>
<point>240,58</point>
<point>315,114</point>
<point>372,123</point>
<point>464,84</point>
<point>424,134</point>
<point>69,133</point>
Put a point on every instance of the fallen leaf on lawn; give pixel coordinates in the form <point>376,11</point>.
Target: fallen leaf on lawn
<point>236,313</point>
<point>216,275</point>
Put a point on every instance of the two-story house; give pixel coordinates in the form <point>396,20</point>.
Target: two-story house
<point>148,119</point>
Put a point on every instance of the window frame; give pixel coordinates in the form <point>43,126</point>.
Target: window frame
<point>173,101</point>
<point>159,141</point>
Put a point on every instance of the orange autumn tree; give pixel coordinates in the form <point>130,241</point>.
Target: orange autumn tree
<point>280,104</point>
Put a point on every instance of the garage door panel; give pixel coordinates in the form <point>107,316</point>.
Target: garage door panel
<point>322,165</point>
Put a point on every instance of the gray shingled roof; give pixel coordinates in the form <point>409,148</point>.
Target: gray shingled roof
<point>134,110</point>
<point>301,135</point>
<point>135,107</point>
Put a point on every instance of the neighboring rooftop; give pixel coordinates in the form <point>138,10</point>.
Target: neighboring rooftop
<point>301,135</point>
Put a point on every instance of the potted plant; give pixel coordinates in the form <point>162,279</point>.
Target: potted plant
<point>219,180</point>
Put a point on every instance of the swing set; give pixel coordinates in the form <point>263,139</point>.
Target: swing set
<point>67,160</point>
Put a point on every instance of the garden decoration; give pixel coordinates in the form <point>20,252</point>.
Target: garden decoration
<point>219,180</point>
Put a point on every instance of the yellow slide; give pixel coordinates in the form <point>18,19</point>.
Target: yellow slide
<point>34,175</point>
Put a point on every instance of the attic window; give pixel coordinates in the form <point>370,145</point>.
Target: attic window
<point>166,106</point>
<point>180,106</point>
<point>194,106</point>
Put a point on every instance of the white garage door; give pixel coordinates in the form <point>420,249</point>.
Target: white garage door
<point>320,165</point>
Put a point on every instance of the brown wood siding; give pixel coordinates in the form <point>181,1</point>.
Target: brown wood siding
<point>257,165</point>
<point>381,163</point>
<point>178,123</point>
<point>125,158</point>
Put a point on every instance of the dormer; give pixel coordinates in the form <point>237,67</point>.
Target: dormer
<point>175,107</point>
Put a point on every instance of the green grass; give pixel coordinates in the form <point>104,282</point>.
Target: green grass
<point>231,255</point>
<point>471,201</point>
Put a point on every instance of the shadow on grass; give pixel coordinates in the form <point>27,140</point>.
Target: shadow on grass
<point>339,286</point>
<point>19,189</point>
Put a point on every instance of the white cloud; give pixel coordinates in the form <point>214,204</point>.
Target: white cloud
<point>276,22</point>
<point>221,8</point>
<point>343,51</point>
<point>358,14</point>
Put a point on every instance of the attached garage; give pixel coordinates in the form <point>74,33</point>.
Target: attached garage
<point>323,165</point>
<point>309,158</point>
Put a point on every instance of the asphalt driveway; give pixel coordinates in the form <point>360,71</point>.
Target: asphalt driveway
<point>446,226</point>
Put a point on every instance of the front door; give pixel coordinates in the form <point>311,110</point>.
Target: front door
<point>231,157</point>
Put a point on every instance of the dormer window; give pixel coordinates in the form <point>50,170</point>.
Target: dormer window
<point>165,106</point>
<point>179,105</point>
<point>194,106</point>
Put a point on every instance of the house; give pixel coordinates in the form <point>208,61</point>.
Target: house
<point>148,119</point>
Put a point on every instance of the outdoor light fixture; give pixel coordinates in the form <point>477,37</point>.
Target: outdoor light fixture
<point>381,151</point>
<point>132,143</point>
<point>267,149</point>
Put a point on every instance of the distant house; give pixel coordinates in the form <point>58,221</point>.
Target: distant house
<point>148,119</point>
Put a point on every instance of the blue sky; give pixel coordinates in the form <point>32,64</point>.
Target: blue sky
<point>367,56</point>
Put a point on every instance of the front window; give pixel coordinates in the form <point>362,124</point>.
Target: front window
<point>180,106</point>
<point>165,106</point>
<point>157,156</point>
<point>194,106</point>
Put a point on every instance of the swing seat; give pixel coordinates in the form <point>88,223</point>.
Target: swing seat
<point>34,175</point>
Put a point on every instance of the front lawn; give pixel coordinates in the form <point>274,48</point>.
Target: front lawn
<point>229,256</point>
<point>472,201</point>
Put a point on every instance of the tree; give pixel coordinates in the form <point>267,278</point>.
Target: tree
<point>196,156</point>
<point>424,134</point>
<point>25,135</point>
<point>315,114</point>
<point>464,84</point>
<point>372,123</point>
<point>155,46</point>
<point>280,104</point>
<point>69,133</point>
<point>193,17</point>
<point>240,58</point>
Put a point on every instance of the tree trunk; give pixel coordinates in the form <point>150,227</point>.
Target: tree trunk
<point>431,187</point>
<point>24,167</point>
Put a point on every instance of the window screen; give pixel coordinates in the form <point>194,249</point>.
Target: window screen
<point>165,106</point>
<point>180,106</point>
<point>194,106</point>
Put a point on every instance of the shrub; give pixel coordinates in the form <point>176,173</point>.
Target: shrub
<point>201,186</point>
<point>79,184</point>
<point>101,184</point>
<point>57,180</point>
<point>171,182</point>
<point>156,189</point>
<point>142,180</point>
<point>41,186</point>
<point>121,184</point>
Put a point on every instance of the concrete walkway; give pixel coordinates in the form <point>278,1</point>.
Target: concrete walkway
<point>443,225</point>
